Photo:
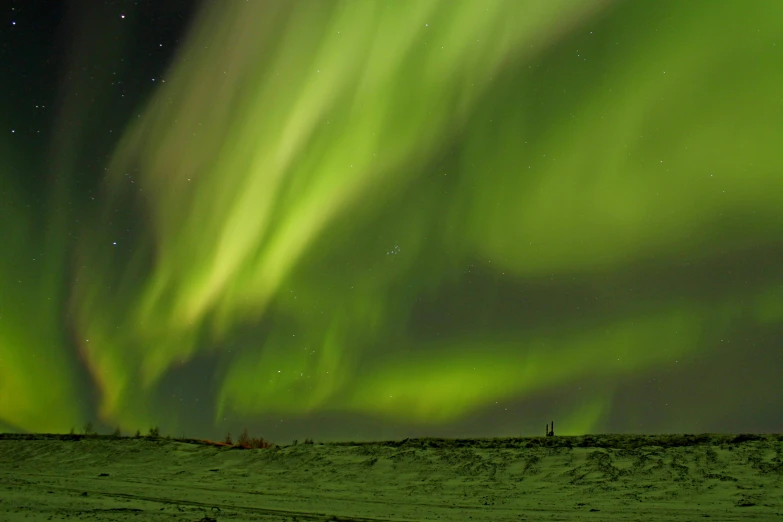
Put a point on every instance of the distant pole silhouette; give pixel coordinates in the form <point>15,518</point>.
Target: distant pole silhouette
<point>550,433</point>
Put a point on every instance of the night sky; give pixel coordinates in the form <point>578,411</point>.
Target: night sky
<point>361,219</point>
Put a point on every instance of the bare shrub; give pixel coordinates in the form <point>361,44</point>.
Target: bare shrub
<point>244,440</point>
<point>260,443</point>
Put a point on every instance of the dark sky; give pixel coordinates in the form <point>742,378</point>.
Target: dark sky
<point>387,219</point>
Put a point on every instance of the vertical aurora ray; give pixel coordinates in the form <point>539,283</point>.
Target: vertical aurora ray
<point>37,391</point>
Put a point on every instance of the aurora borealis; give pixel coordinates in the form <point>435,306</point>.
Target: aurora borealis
<point>375,219</point>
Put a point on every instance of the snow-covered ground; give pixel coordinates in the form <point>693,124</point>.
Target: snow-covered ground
<point>603,477</point>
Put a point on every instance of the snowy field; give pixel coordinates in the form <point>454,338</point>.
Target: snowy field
<point>600,478</point>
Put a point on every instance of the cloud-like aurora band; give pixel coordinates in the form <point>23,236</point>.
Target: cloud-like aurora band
<point>320,167</point>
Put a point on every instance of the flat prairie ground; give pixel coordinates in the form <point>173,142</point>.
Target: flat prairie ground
<point>597,478</point>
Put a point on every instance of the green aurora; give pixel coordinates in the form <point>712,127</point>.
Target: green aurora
<point>415,213</point>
